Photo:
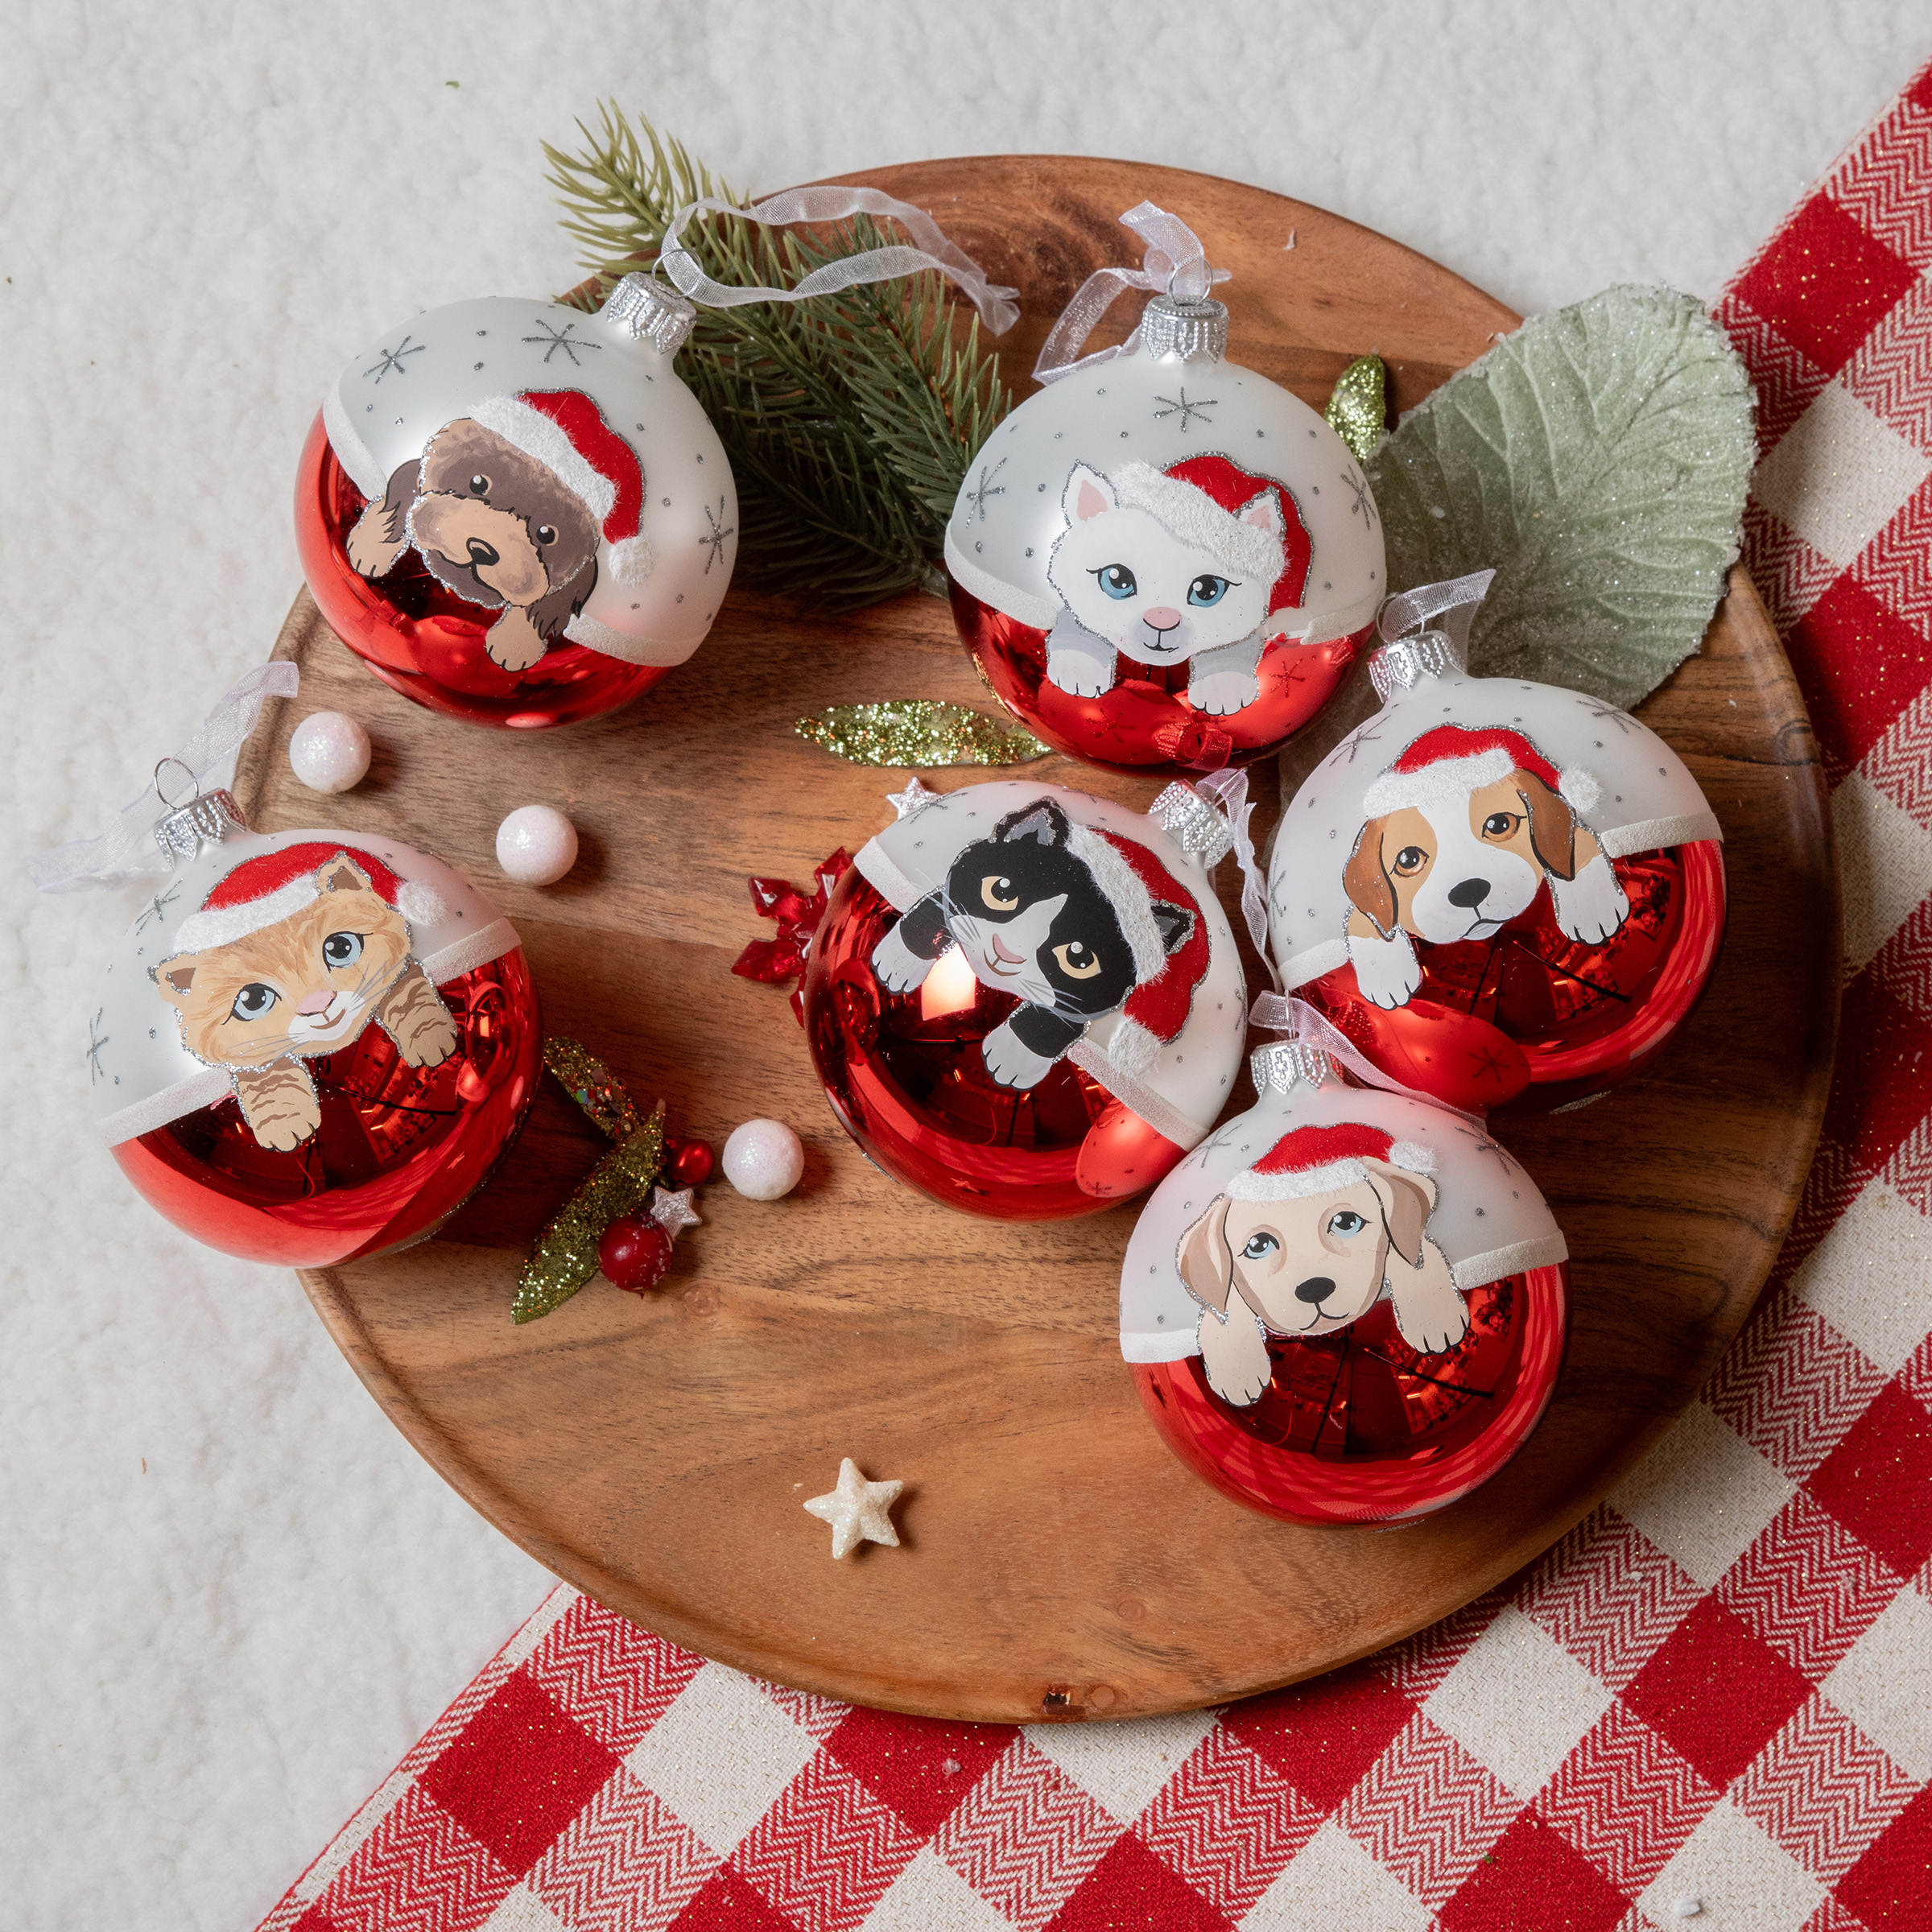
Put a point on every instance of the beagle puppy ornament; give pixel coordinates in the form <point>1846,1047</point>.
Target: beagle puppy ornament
<point>1506,893</point>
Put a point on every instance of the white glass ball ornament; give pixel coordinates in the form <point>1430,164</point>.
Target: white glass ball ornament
<point>536,845</point>
<point>1347,1305</point>
<point>764,1160</point>
<point>1164,561</point>
<point>329,752</point>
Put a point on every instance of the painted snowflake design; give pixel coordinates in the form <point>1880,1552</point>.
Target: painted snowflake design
<point>1623,722</point>
<point>392,359</point>
<point>1484,1145</point>
<point>715,543</point>
<point>1354,742</point>
<point>96,1040</point>
<point>1363,501</point>
<point>560,339</point>
<point>1187,410</point>
<point>984,489</point>
<point>157,907</point>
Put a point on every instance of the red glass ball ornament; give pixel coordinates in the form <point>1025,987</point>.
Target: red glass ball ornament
<point>421,639</point>
<point>311,1048</point>
<point>1145,723</point>
<point>634,1254</point>
<point>904,1075</point>
<point>1356,1426</point>
<point>1532,1019</point>
<point>692,1163</point>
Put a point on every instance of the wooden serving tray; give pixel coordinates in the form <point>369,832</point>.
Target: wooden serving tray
<point>1056,1561</point>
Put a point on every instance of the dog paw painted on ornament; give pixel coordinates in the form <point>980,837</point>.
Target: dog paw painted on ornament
<point>1163,561</point>
<point>1505,893</point>
<point>515,512</point>
<point>1027,1002</point>
<point>1349,1305</point>
<point>290,958</point>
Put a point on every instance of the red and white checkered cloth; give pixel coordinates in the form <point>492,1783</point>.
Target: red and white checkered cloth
<point>1718,1688</point>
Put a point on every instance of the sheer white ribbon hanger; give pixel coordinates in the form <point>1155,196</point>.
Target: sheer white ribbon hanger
<point>1301,1025</point>
<point>1174,265</point>
<point>1455,599</point>
<point>115,858</point>
<point>996,304</point>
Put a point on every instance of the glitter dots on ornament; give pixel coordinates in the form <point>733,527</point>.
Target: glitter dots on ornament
<point>1162,562</point>
<point>1505,893</point>
<point>1025,1002</point>
<point>1349,1305</point>
<point>515,512</point>
<point>309,1048</point>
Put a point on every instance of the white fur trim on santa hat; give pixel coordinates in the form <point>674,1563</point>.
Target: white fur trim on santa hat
<point>422,906</point>
<point>1579,789</point>
<point>544,442</point>
<point>1128,894</point>
<point>1298,1183</point>
<point>1191,514</point>
<point>1132,1047</point>
<point>630,560</point>
<point>222,927</point>
<point>1445,782</point>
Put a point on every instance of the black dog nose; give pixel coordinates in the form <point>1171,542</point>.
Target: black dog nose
<point>480,553</point>
<point>1470,893</point>
<point>1314,1290</point>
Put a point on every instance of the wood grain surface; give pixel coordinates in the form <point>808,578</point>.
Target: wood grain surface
<point>1055,1560</point>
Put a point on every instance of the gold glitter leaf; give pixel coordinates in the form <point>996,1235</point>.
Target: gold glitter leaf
<point>1597,461</point>
<point>565,1257</point>
<point>1358,406</point>
<point>593,1086</point>
<point>919,734</point>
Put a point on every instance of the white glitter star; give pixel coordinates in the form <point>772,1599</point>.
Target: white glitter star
<point>856,1510</point>
<point>671,1209</point>
<point>915,798</point>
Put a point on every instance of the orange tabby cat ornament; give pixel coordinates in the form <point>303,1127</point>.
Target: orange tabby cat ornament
<point>311,1048</point>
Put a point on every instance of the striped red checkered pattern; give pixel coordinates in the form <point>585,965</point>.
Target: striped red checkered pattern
<point>1718,1688</point>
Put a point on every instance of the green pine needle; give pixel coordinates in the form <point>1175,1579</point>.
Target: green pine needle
<point>849,419</point>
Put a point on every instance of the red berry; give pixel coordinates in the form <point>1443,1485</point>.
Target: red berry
<point>634,1253</point>
<point>692,1165</point>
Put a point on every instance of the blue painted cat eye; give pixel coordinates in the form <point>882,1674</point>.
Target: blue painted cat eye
<point>1207,589</point>
<point>1116,579</point>
<point>254,1000</point>
<point>342,948</point>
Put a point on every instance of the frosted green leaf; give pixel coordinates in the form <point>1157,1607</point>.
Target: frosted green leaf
<point>1597,460</point>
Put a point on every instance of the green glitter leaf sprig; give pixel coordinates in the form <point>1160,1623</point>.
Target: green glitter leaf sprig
<point>1358,406</point>
<point>919,734</point>
<point>1597,460</point>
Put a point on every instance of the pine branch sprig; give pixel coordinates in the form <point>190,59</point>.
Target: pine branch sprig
<point>850,420</point>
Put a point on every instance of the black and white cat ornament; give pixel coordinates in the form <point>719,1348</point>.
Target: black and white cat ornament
<point>1163,562</point>
<point>309,1047</point>
<point>1025,1002</point>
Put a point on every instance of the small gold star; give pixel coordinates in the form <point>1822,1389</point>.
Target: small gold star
<point>856,1510</point>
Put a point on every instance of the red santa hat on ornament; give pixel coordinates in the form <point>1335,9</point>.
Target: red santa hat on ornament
<point>262,891</point>
<point>1132,879</point>
<point>1214,505</point>
<point>1320,1160</point>
<point>565,431</point>
<point>1444,766</point>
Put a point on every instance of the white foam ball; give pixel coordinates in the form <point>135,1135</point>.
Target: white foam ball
<point>763,1159</point>
<point>329,751</point>
<point>536,845</point>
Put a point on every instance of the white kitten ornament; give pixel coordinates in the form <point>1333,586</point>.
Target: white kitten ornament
<point>1506,894</point>
<point>311,1046</point>
<point>1349,1305</point>
<point>1163,562</point>
<point>516,513</point>
<point>1025,1002</point>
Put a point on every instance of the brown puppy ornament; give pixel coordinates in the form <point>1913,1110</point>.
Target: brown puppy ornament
<point>508,506</point>
<point>1308,1240</point>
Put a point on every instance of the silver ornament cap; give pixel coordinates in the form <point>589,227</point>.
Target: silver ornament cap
<point>652,311</point>
<point>189,830</point>
<point>1171,326</point>
<point>1403,665</point>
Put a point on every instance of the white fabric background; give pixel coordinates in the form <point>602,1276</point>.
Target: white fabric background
<point>203,208</point>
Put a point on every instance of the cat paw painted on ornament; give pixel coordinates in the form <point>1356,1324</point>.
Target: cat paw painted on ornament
<point>290,958</point>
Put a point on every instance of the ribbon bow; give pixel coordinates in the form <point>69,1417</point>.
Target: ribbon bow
<point>1175,264</point>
